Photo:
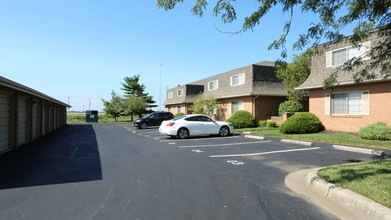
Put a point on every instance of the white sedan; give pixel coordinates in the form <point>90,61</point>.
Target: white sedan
<point>195,125</point>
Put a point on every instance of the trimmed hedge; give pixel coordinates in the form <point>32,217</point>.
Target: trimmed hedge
<point>289,106</point>
<point>242,119</point>
<point>178,115</point>
<point>301,123</point>
<point>271,124</point>
<point>262,123</point>
<point>377,131</point>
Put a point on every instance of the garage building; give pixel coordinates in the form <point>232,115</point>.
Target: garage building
<point>26,114</point>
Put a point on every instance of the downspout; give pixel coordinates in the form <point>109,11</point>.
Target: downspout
<point>254,98</point>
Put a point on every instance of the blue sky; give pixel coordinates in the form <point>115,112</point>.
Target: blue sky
<point>83,49</point>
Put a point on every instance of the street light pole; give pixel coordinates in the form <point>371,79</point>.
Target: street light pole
<point>160,88</point>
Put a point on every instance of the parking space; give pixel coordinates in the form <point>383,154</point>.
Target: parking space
<point>233,150</point>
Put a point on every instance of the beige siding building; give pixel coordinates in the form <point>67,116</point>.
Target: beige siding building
<point>254,88</point>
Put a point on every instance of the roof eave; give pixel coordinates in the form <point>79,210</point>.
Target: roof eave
<point>343,84</point>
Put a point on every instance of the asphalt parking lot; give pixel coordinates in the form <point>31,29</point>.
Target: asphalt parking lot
<point>237,150</point>
<point>116,171</point>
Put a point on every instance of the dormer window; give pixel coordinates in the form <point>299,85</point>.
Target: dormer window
<point>237,80</point>
<point>340,56</point>
<point>213,85</point>
<point>169,95</point>
<point>180,92</point>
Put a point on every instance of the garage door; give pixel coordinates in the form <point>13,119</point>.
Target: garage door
<point>4,122</point>
<point>44,119</point>
<point>35,120</point>
<point>22,121</point>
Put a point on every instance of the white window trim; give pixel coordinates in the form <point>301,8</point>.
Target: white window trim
<point>365,103</point>
<point>179,109</point>
<point>242,106</point>
<point>217,85</point>
<point>241,74</point>
<point>329,54</point>
<point>169,95</point>
<point>177,93</point>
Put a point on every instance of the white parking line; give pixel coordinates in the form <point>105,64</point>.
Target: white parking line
<point>199,139</point>
<point>263,153</point>
<point>148,132</point>
<point>229,144</point>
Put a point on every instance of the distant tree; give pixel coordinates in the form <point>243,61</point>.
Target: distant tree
<point>134,105</point>
<point>114,107</point>
<point>363,17</point>
<point>294,74</point>
<point>204,105</point>
<point>132,87</point>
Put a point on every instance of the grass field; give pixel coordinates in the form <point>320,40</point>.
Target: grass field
<point>370,179</point>
<point>81,118</point>
<point>326,137</point>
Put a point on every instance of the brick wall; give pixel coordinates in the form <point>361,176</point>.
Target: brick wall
<point>267,106</point>
<point>379,107</point>
<point>224,107</point>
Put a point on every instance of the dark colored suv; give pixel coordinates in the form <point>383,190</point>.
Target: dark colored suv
<point>153,119</point>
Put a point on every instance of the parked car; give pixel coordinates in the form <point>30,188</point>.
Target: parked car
<point>153,119</point>
<point>193,125</point>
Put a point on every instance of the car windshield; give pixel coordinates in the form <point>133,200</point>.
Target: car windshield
<point>148,116</point>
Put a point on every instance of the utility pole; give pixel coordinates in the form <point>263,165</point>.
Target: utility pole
<point>160,88</point>
<point>89,105</point>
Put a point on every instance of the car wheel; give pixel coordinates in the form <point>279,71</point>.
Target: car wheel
<point>224,131</point>
<point>183,133</point>
<point>143,126</point>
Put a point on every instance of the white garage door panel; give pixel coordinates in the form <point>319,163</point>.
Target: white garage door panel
<point>4,122</point>
<point>22,125</point>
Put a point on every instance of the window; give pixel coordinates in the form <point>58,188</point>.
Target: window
<point>339,57</point>
<point>347,103</point>
<point>212,85</point>
<point>179,109</point>
<point>195,118</point>
<point>169,95</point>
<point>169,109</point>
<point>206,119</point>
<point>236,106</point>
<point>237,80</point>
<point>180,92</point>
<point>214,110</point>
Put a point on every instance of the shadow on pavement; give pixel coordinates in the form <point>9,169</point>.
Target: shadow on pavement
<point>68,155</point>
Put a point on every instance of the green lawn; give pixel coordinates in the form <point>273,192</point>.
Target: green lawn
<point>333,138</point>
<point>81,118</point>
<point>370,179</point>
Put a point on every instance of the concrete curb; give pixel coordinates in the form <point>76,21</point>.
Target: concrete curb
<point>305,143</point>
<point>360,150</point>
<point>255,137</point>
<point>342,202</point>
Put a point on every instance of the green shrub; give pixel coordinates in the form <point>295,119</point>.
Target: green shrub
<point>301,123</point>
<point>262,123</point>
<point>242,119</point>
<point>377,131</point>
<point>289,106</point>
<point>271,124</point>
<point>178,115</point>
